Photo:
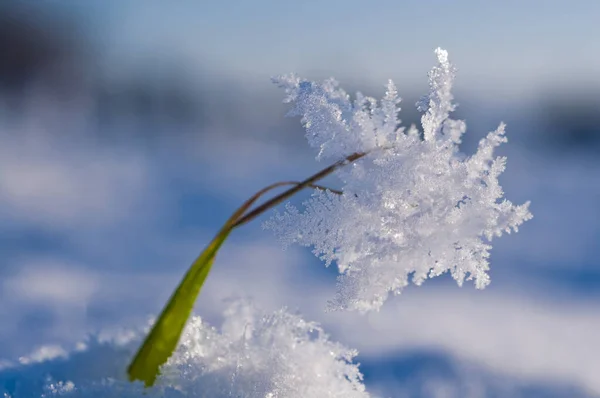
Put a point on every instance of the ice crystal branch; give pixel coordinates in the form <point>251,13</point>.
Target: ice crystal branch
<point>419,208</point>
<point>336,126</point>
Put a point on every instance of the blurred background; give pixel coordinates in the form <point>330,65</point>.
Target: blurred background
<point>129,132</point>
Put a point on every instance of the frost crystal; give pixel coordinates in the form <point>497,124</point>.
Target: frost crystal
<point>415,205</point>
<point>254,355</point>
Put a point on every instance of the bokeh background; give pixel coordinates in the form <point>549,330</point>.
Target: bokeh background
<point>129,131</point>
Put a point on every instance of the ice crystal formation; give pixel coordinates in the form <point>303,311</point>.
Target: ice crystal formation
<point>414,208</point>
<point>254,355</point>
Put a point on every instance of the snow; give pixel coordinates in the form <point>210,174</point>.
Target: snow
<point>252,355</point>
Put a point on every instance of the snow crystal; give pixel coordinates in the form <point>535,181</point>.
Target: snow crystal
<point>276,355</point>
<point>414,206</point>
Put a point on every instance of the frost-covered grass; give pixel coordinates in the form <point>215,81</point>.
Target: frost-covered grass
<point>412,207</point>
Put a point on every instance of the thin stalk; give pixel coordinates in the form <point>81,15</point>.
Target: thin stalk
<point>316,186</point>
<point>296,188</point>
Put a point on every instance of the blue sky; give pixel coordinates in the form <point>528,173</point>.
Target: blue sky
<point>101,212</point>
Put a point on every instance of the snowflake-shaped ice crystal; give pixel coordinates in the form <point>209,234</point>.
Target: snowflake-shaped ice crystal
<point>414,205</point>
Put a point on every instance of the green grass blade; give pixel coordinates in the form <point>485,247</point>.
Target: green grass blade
<point>165,334</point>
<point>162,340</point>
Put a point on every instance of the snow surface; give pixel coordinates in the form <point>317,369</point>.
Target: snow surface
<point>252,355</point>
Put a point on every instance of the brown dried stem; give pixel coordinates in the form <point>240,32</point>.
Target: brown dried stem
<point>309,182</point>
